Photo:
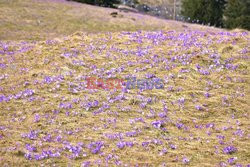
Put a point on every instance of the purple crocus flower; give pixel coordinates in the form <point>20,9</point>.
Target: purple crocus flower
<point>172,146</point>
<point>210,125</point>
<point>145,144</point>
<point>221,142</point>
<point>95,147</point>
<point>220,137</point>
<point>229,150</point>
<point>181,101</point>
<point>149,75</point>
<point>28,156</point>
<point>204,72</point>
<point>131,134</point>
<point>121,144</point>
<point>231,161</point>
<point>139,119</point>
<point>75,150</point>
<point>198,66</point>
<point>163,151</point>
<point>143,105</point>
<point>207,95</point>
<point>129,144</point>
<point>86,164</point>
<point>3,65</point>
<point>109,157</point>
<point>56,154</point>
<point>223,164</point>
<point>65,105</point>
<point>48,79</point>
<point>58,138</point>
<point>157,141</point>
<point>95,103</point>
<point>2,98</point>
<point>32,135</point>
<point>46,153</point>
<point>170,88</point>
<point>198,107</point>
<point>28,92</point>
<point>48,138</point>
<point>162,115</point>
<point>38,157</point>
<point>179,125</point>
<point>55,111</point>
<point>157,124</point>
<point>37,118</point>
<point>30,148</point>
<point>185,160</point>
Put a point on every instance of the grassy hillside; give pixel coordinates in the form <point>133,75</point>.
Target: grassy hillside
<point>29,19</point>
<point>50,115</point>
<point>47,19</point>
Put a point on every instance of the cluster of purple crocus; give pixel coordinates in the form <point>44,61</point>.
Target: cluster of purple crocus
<point>55,117</point>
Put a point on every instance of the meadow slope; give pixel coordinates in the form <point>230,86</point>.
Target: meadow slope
<point>49,116</point>
<point>48,19</point>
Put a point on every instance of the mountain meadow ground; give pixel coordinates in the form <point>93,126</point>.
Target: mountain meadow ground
<point>49,116</point>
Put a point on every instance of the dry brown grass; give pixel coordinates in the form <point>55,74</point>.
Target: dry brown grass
<point>39,20</point>
<point>100,41</point>
<point>47,60</point>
